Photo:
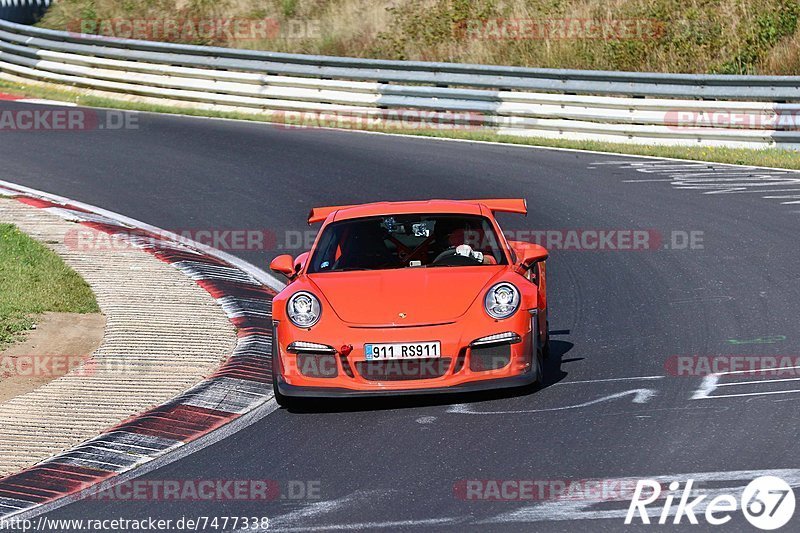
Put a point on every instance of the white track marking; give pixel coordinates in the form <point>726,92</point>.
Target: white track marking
<point>711,383</point>
<point>734,372</point>
<point>319,508</point>
<point>714,188</point>
<point>639,396</point>
<point>583,510</point>
<point>608,380</point>
<point>707,386</point>
<point>744,394</point>
<point>668,165</point>
<point>732,482</point>
<point>647,181</point>
<point>41,101</point>
<point>703,173</point>
<point>675,170</point>
<point>287,522</point>
<point>704,177</point>
<point>763,191</point>
<point>701,299</point>
<point>757,382</point>
<point>715,178</point>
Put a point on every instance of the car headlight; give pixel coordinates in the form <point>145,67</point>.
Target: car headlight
<point>303,309</point>
<point>502,300</point>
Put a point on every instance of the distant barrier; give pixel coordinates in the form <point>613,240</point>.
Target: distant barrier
<point>307,90</point>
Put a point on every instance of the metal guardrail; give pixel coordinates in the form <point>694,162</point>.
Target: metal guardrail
<point>750,111</point>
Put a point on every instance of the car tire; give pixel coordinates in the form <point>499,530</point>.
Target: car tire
<point>539,368</point>
<point>280,399</point>
<point>546,346</point>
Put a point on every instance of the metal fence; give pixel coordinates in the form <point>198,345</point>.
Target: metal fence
<point>649,108</point>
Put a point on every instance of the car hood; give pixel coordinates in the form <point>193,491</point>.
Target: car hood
<point>424,295</point>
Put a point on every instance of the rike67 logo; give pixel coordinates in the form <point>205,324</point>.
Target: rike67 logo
<point>767,502</point>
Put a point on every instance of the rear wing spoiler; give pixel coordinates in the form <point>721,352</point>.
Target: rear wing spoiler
<point>503,205</point>
<point>318,214</point>
<point>495,205</point>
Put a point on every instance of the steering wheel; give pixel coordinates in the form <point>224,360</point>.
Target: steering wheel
<point>450,258</point>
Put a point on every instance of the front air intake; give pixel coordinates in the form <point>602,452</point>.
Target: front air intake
<point>483,358</point>
<point>317,365</point>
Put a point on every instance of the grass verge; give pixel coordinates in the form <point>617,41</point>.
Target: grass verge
<point>34,280</point>
<point>768,157</point>
<point>701,36</point>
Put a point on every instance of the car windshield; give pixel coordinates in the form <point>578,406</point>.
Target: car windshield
<point>407,241</point>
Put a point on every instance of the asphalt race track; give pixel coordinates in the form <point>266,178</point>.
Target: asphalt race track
<point>612,406</point>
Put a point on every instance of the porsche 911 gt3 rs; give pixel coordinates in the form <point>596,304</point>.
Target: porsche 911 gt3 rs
<point>410,297</point>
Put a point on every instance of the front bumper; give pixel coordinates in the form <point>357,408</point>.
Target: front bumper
<point>522,380</point>
<point>347,379</point>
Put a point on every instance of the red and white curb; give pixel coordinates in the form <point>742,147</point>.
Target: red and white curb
<point>40,101</point>
<point>240,385</point>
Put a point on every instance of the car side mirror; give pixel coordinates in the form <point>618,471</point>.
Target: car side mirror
<point>300,261</point>
<point>283,264</point>
<point>530,255</point>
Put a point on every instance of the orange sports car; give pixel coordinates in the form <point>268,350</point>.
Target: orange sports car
<point>410,297</point>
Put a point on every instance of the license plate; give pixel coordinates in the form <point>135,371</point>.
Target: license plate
<point>402,350</point>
